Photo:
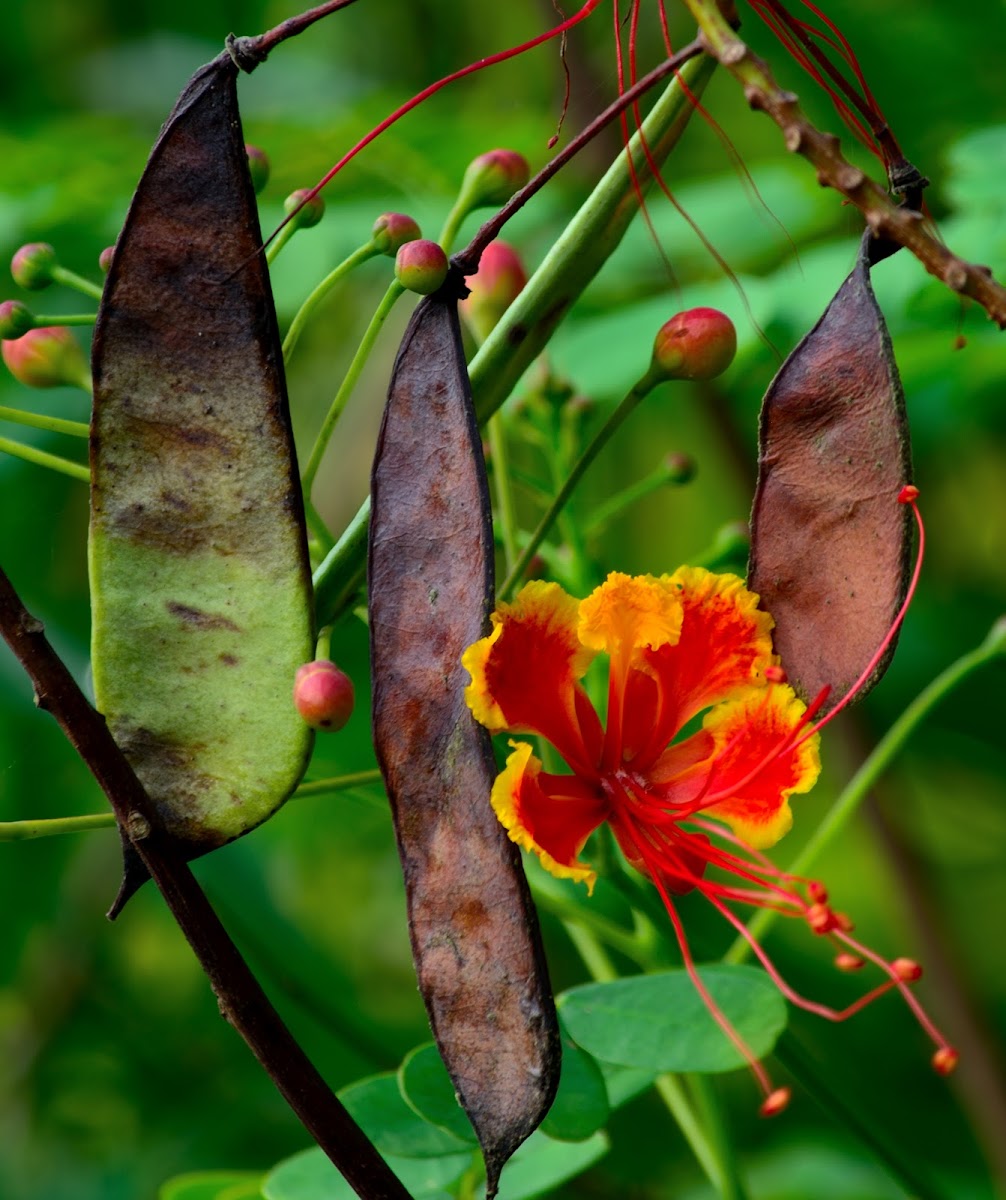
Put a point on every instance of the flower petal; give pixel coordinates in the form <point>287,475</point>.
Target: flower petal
<point>749,781</point>
<point>525,674</point>
<point>724,648</point>
<point>629,613</point>
<point>552,815</point>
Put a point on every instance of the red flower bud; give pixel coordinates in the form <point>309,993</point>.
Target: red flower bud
<point>421,266</point>
<point>105,259</point>
<point>323,695</point>
<point>493,288</point>
<point>258,167</point>
<point>32,266</point>
<point>311,212</point>
<point>15,319</point>
<point>493,177</point>
<point>697,344</point>
<point>945,1060</point>
<point>47,357</point>
<point>392,230</point>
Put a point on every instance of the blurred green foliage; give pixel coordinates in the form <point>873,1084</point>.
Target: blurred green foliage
<point>115,1069</point>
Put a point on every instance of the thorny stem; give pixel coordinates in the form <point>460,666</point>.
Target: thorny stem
<point>884,217</point>
<point>349,382</point>
<point>42,458</point>
<point>859,786</point>
<point>242,1001</point>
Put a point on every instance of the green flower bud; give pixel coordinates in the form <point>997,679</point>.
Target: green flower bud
<point>47,357</point>
<point>310,214</point>
<point>32,266</point>
<point>421,266</point>
<point>15,319</point>
<point>493,288</point>
<point>493,177</point>
<point>105,259</point>
<point>697,344</point>
<point>392,230</point>
<point>258,167</point>
<point>323,695</point>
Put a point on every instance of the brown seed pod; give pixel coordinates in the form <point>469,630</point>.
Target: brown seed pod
<point>830,544</point>
<point>474,932</point>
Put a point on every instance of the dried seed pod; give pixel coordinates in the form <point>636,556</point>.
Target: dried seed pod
<point>830,544</point>
<point>200,581</point>
<point>474,931</point>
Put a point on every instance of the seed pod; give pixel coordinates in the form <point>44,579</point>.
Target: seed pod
<point>830,544</point>
<point>474,932</point>
<point>199,572</point>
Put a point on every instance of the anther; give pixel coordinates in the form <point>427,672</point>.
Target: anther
<point>817,892</point>
<point>778,1100</point>
<point>944,1060</point>
<point>908,494</point>
<point>906,969</point>
<point>849,962</point>
<point>775,674</point>
<point>820,918</point>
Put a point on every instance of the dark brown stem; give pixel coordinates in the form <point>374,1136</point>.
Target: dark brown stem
<point>467,260</point>
<point>248,52</point>
<point>242,1000</point>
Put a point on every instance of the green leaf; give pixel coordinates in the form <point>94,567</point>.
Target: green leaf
<point>426,1087</point>
<point>310,1175</point>
<point>625,1083</point>
<point>213,1185</point>
<point>376,1104</point>
<point>541,1164</point>
<point>661,1023</point>
<point>581,1104</point>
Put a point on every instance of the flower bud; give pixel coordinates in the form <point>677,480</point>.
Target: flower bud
<point>311,212</point>
<point>105,259</point>
<point>493,288</point>
<point>945,1060</point>
<point>493,177</point>
<point>47,357</point>
<point>323,695</point>
<point>32,266</point>
<point>697,344</point>
<point>15,319</point>
<point>392,230</point>
<point>258,167</point>
<point>421,266</point>
<point>680,467</point>
<point>774,1104</point>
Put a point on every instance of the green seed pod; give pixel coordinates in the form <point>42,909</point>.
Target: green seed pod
<point>201,597</point>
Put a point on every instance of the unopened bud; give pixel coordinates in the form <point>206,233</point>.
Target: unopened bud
<point>15,319</point>
<point>47,357</point>
<point>493,288</point>
<point>775,1102</point>
<point>680,467</point>
<point>849,962</point>
<point>945,1060</point>
<point>493,177</point>
<point>421,266</point>
<point>392,230</point>
<point>258,167</point>
<point>697,344</point>
<point>906,969</point>
<point>306,212</point>
<point>32,266</point>
<point>105,259</point>
<point>323,695</point>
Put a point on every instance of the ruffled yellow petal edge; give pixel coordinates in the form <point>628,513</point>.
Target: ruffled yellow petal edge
<point>541,610</point>
<point>522,769</point>
<point>631,612</point>
<point>729,594</point>
<point>778,713</point>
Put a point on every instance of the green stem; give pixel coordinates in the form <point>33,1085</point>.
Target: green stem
<point>625,407</point>
<point>449,233</point>
<point>306,310</point>
<point>627,497</point>
<point>337,783</point>
<point>323,646</point>
<point>19,831</point>
<point>349,382</point>
<point>710,1109</point>
<point>871,770</point>
<point>41,421</point>
<point>319,530</point>
<point>279,241</point>
<point>506,513</point>
<point>42,459</point>
<point>342,573</point>
<point>44,319</point>
<point>73,280</point>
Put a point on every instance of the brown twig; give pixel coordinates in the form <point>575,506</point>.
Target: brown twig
<point>242,1000</point>
<point>249,52</point>
<point>883,216</point>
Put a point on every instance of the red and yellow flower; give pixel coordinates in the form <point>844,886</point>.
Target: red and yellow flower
<point>691,803</point>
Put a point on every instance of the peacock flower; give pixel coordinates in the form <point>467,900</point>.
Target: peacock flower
<point>692,810</point>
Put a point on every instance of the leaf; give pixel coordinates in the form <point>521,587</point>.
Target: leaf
<point>378,1107</point>
<point>213,1185</point>
<point>199,572</point>
<point>581,1103</point>
<point>310,1175</point>
<point>426,1087</point>
<point>474,932</point>
<point>541,1165</point>
<point>659,1022</point>
<point>830,544</point>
